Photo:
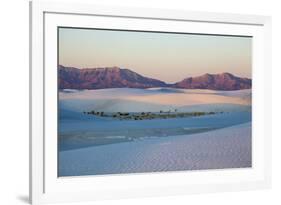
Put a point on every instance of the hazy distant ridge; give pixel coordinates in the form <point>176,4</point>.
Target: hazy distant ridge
<point>99,78</point>
<point>223,81</point>
<point>115,77</point>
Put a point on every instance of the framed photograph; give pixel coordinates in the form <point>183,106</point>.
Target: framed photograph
<point>129,102</point>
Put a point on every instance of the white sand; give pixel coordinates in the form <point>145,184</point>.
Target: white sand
<point>195,97</point>
<point>153,100</point>
<point>225,148</point>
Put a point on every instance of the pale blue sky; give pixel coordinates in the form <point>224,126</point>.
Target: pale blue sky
<point>165,56</point>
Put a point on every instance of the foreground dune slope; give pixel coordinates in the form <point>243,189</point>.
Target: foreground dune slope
<point>223,148</point>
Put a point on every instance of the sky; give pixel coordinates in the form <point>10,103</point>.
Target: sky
<point>169,57</point>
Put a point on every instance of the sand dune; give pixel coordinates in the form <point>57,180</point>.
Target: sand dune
<point>189,99</point>
<point>224,148</point>
<point>94,145</point>
<point>153,100</point>
<point>195,96</point>
<point>188,95</point>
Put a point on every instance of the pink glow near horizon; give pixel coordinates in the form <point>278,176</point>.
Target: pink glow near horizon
<point>168,57</point>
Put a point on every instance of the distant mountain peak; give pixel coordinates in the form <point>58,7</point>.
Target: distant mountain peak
<point>222,81</point>
<point>227,74</point>
<point>207,74</point>
<point>113,68</point>
<point>116,77</point>
<point>106,77</point>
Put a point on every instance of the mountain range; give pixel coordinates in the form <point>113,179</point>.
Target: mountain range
<point>115,77</point>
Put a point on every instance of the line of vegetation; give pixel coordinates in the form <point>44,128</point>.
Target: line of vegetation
<point>148,115</point>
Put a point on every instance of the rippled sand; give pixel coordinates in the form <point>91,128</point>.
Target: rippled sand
<point>223,148</point>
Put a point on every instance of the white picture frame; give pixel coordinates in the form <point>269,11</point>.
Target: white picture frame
<point>46,187</point>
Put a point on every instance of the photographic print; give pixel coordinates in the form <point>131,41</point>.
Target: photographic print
<point>148,101</point>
